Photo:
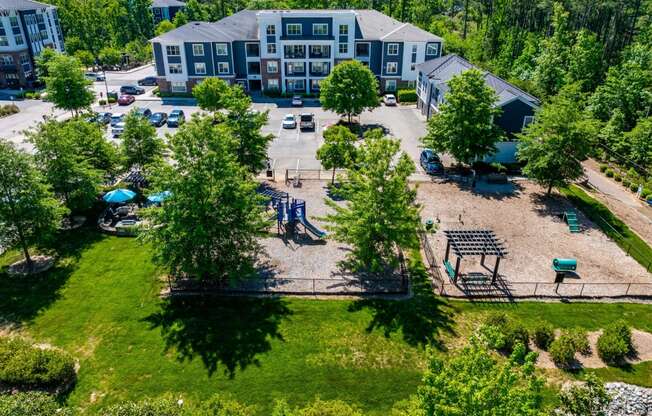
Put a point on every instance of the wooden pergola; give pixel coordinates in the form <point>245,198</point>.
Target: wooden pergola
<point>473,243</point>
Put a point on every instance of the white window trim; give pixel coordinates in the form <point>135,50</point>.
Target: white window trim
<point>387,64</point>
<point>167,53</point>
<point>173,89</point>
<point>432,45</point>
<point>273,81</point>
<point>389,48</point>
<point>287,29</point>
<point>525,121</point>
<point>273,30</point>
<point>200,72</point>
<point>339,48</point>
<point>275,49</point>
<point>219,68</point>
<point>194,53</point>
<point>387,82</point>
<point>275,63</point>
<point>226,49</point>
<point>339,30</point>
<point>314,25</point>
<point>175,65</point>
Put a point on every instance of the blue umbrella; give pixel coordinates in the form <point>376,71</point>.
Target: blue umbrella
<point>159,197</point>
<point>118,196</point>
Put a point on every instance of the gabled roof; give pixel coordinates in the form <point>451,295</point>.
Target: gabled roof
<point>375,25</point>
<point>239,26</point>
<point>168,3</point>
<point>442,69</point>
<point>22,5</point>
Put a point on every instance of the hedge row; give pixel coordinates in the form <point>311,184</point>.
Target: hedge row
<point>407,96</point>
<point>22,364</point>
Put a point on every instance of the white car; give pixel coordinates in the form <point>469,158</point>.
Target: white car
<point>116,118</point>
<point>289,122</point>
<point>389,99</point>
<point>118,129</point>
<point>297,101</point>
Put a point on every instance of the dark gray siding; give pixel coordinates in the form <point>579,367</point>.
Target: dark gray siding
<point>206,59</point>
<point>376,56</point>
<point>392,58</point>
<point>240,59</point>
<point>358,32</point>
<point>158,58</point>
<point>428,57</point>
<point>306,27</point>
<point>222,58</point>
<point>511,120</point>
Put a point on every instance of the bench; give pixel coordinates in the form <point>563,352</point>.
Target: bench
<point>476,278</point>
<point>564,265</point>
<point>449,269</point>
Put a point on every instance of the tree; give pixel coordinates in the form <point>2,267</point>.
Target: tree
<point>554,145</point>
<point>207,229</point>
<point>163,27</point>
<point>42,61</point>
<point>139,50</point>
<point>588,399</point>
<point>109,56</point>
<point>64,167</point>
<point>196,11</point>
<point>140,143</point>
<point>85,58</point>
<point>212,94</point>
<point>380,217</point>
<point>180,19</point>
<point>585,61</point>
<point>66,85</point>
<point>338,150</point>
<point>612,134</point>
<point>472,382</point>
<point>350,89</point>
<point>29,213</point>
<point>464,126</point>
<point>551,64</point>
<point>640,142</point>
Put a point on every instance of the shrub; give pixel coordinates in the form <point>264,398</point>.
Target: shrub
<point>158,407</point>
<point>493,336</point>
<point>633,187</point>
<point>626,183</point>
<point>603,167</point>
<point>609,173</point>
<point>543,334</point>
<point>615,343</point>
<point>9,109</point>
<point>30,404</point>
<point>23,364</point>
<point>618,178</point>
<point>645,193</point>
<point>102,102</point>
<point>580,340</point>
<point>515,333</point>
<point>112,100</point>
<point>407,96</point>
<point>562,350</point>
<point>496,319</point>
<point>502,334</point>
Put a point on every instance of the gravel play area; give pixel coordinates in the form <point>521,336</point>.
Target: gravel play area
<point>532,228</point>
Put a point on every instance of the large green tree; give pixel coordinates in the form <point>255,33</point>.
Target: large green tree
<point>29,212</point>
<point>551,64</point>
<point>640,143</point>
<point>212,94</point>
<point>66,85</point>
<point>141,145</point>
<point>464,126</point>
<point>338,150</point>
<point>350,89</point>
<point>554,145</point>
<point>72,176</point>
<point>208,228</point>
<point>381,216</point>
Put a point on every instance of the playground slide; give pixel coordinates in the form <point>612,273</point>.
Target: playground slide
<point>316,231</point>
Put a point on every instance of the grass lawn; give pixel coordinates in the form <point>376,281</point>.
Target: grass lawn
<point>101,304</point>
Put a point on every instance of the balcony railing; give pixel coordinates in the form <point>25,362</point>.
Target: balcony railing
<point>322,53</point>
<point>291,53</point>
<point>319,71</point>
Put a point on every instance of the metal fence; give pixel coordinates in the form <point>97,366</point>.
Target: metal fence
<point>624,243</point>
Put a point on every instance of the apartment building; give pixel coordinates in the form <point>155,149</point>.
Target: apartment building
<point>26,28</point>
<point>292,50</point>
<point>166,9</point>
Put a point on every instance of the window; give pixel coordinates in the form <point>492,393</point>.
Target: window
<point>14,21</point>
<point>293,29</point>
<point>392,49</point>
<point>24,59</point>
<point>252,50</point>
<point>7,60</point>
<point>296,85</point>
<point>295,51</point>
<point>320,51</point>
<point>200,68</point>
<point>527,120</point>
<point>175,69</point>
<point>362,50</point>
<point>390,85</point>
<point>295,68</point>
<point>271,48</point>
<point>271,30</point>
<point>272,84</point>
<point>197,49</point>
<point>319,68</point>
<point>344,30</point>
<point>272,67</point>
<point>343,48</point>
<point>4,41</point>
<point>315,84</point>
<point>19,39</point>
<point>414,55</point>
<point>178,86</point>
<point>432,49</point>
<point>320,29</point>
<point>392,68</point>
<point>413,67</point>
<point>253,68</point>
<point>221,49</point>
<point>222,67</point>
<point>172,50</point>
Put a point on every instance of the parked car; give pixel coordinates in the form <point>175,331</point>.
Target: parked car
<point>307,121</point>
<point>158,119</point>
<point>102,118</point>
<point>132,90</point>
<point>116,118</point>
<point>430,162</point>
<point>126,99</point>
<point>150,81</point>
<point>94,76</point>
<point>289,121</point>
<point>297,101</point>
<point>176,118</point>
<point>389,99</point>
<point>144,112</point>
<point>118,129</point>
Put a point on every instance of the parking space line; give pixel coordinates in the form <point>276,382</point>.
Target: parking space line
<point>280,129</point>
<point>298,160</point>
<point>298,132</point>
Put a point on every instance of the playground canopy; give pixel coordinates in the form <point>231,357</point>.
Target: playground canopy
<point>473,243</point>
<point>119,196</point>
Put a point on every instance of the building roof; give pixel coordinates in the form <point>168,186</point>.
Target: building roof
<point>442,69</point>
<point>244,26</point>
<point>22,5</point>
<point>168,3</point>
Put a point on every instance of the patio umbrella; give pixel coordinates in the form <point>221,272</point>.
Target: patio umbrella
<point>118,196</point>
<point>159,197</point>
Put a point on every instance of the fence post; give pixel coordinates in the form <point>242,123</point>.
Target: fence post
<point>627,291</point>
<point>582,289</point>
<point>536,286</point>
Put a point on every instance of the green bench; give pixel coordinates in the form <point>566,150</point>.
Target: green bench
<point>449,269</point>
<point>564,265</point>
<point>571,219</point>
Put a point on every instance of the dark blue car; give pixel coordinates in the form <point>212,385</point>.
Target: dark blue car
<point>430,162</point>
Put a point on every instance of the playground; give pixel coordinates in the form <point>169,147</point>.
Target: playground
<point>532,231</point>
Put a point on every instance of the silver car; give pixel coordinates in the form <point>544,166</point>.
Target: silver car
<point>118,129</point>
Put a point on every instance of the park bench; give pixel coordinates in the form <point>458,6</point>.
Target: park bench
<point>450,271</point>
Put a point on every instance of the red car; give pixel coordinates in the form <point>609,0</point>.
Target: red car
<point>126,99</point>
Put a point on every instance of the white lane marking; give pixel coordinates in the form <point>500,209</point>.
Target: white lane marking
<point>298,160</point>
<point>298,132</point>
<point>280,129</point>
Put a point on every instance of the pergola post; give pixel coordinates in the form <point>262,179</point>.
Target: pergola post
<point>482,260</point>
<point>493,278</point>
<point>448,248</point>
<point>457,268</point>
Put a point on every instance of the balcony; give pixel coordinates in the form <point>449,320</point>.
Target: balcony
<point>320,52</point>
<point>295,52</point>
<point>362,50</point>
<point>8,68</point>
<point>319,69</point>
<point>295,70</point>
<point>253,68</point>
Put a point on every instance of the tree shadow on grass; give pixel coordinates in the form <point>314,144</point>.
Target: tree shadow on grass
<point>422,319</point>
<point>222,331</point>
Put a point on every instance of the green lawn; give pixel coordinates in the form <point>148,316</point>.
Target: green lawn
<point>102,305</point>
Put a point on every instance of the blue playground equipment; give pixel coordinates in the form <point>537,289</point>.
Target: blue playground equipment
<point>290,212</point>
